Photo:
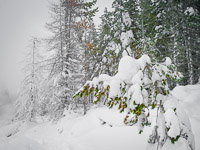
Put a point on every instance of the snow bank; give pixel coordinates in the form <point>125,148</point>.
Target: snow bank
<point>189,98</point>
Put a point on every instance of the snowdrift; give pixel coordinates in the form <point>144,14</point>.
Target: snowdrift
<point>100,129</point>
<point>189,98</point>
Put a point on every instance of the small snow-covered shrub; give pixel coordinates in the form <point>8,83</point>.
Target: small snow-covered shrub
<point>139,87</point>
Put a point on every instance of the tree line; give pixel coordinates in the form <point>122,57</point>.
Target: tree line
<point>78,51</point>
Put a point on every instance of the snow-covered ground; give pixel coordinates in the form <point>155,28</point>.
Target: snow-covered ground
<point>100,129</point>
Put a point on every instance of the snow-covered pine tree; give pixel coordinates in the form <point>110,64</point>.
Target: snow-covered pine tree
<point>66,74</point>
<point>53,105</point>
<point>191,19</point>
<point>86,30</point>
<point>157,28</point>
<point>127,30</point>
<point>139,87</point>
<point>176,34</point>
<point>106,48</point>
<point>115,36</point>
<point>28,101</point>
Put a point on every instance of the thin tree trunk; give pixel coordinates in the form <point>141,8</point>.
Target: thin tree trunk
<point>85,68</point>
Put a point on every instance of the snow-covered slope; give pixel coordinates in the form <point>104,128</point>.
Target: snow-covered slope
<point>100,129</point>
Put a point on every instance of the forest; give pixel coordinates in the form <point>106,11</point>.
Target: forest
<point>134,62</point>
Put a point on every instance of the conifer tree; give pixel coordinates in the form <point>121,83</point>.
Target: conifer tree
<point>174,35</point>
<point>66,74</point>
<point>157,28</point>
<point>139,88</point>
<point>128,30</point>
<point>29,101</point>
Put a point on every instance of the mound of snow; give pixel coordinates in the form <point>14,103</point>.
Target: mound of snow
<point>128,67</point>
<point>189,98</point>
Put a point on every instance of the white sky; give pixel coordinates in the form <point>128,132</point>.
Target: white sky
<point>19,20</point>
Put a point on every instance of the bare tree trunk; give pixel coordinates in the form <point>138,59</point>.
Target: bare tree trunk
<point>85,68</point>
<point>32,79</point>
<point>61,39</point>
<point>142,24</point>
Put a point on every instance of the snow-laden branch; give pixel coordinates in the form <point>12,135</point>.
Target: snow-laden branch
<point>139,87</point>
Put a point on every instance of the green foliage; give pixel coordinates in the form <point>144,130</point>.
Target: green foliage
<point>173,140</point>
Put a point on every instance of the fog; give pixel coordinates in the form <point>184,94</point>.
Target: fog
<point>19,21</point>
